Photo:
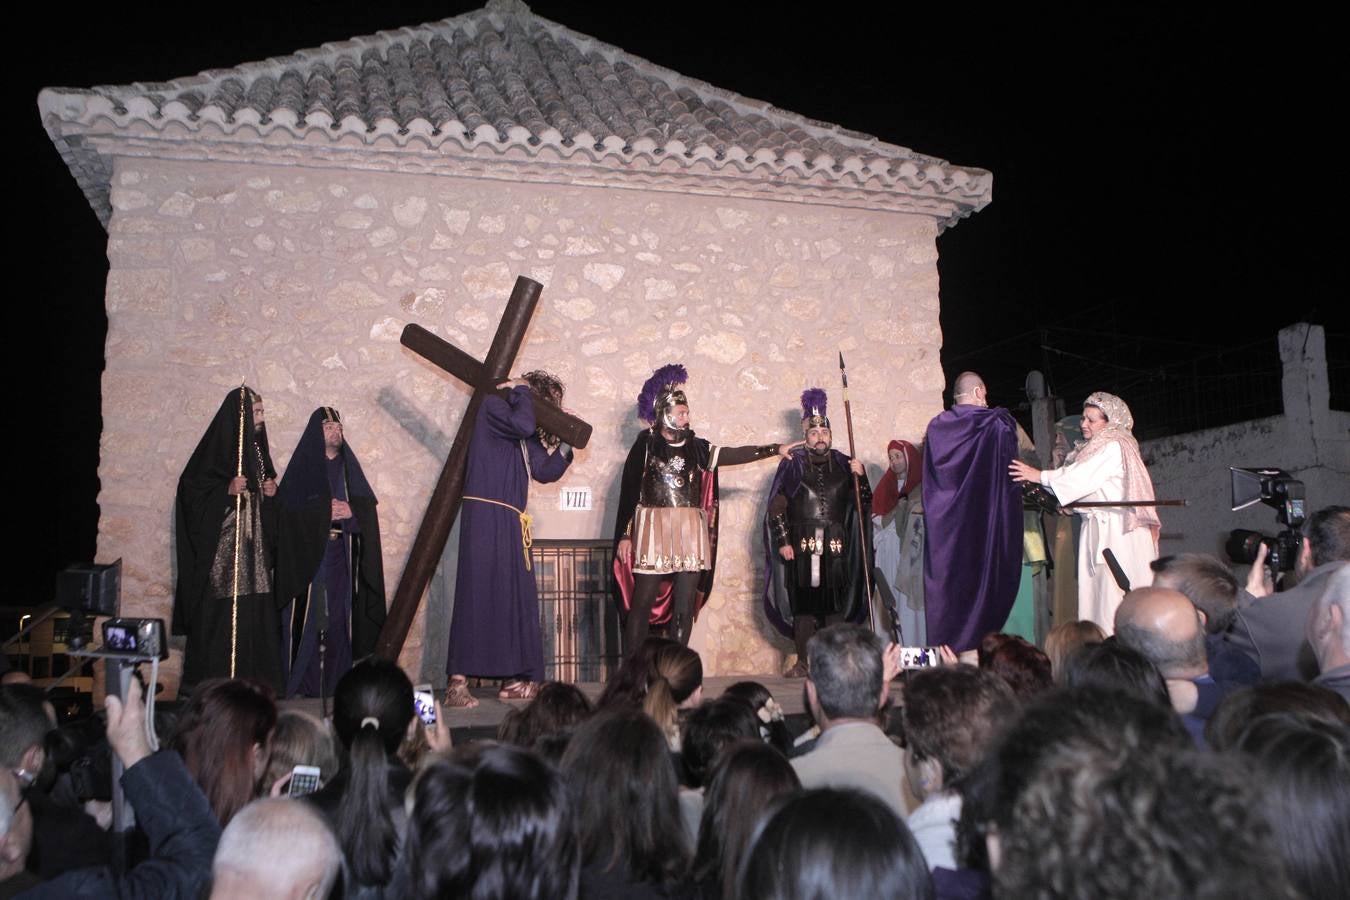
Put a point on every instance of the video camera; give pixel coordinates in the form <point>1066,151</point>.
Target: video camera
<point>1277,488</point>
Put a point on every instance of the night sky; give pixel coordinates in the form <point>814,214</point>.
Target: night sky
<point>1165,183</point>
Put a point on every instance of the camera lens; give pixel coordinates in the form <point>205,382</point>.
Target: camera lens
<point>1242,544</point>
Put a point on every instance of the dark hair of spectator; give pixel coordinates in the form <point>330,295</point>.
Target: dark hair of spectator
<point>988,644</point>
<point>747,778</point>
<point>1301,769</point>
<point>1112,666</point>
<point>556,710</point>
<point>675,673</point>
<point>623,789</point>
<point>299,739</point>
<point>1310,702</point>
<point>628,685</point>
<point>1024,667</point>
<point>501,830</point>
<point>844,662</point>
<point>772,728</point>
<point>1093,820</point>
<point>710,729</point>
<point>1328,534</point>
<point>833,843</point>
<point>217,735</point>
<point>1065,638</point>
<point>372,706</point>
<point>1206,582</point>
<point>23,721</point>
<point>1120,723</point>
<point>952,714</point>
<point>436,847</point>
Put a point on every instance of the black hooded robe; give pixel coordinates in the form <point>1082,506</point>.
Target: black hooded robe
<point>204,537</point>
<point>306,556</point>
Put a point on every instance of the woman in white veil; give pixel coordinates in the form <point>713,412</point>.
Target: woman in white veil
<point>1105,467</point>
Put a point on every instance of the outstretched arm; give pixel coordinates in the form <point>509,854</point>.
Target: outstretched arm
<point>736,456</point>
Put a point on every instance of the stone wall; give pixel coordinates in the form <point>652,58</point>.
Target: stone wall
<point>300,281</point>
<point>1309,440</point>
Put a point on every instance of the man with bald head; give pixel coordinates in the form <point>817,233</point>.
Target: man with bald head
<point>1164,626</point>
<point>276,848</point>
<point>973,549</point>
<point>969,390</point>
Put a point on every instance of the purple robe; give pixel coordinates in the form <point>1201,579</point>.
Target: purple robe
<point>494,631</point>
<point>330,604</point>
<point>973,555</point>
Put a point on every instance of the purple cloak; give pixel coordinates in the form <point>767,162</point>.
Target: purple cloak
<point>494,630</point>
<point>973,555</point>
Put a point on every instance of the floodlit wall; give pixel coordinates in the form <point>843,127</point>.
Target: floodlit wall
<point>300,281</point>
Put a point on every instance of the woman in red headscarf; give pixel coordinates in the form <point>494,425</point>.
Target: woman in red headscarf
<point>897,523</point>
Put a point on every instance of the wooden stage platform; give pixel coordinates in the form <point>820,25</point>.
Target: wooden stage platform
<point>481,723</point>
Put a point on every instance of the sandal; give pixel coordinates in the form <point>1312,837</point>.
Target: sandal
<point>457,695</point>
<point>518,690</point>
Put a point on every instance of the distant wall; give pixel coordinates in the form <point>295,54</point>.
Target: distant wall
<point>1309,440</point>
<point>300,281</point>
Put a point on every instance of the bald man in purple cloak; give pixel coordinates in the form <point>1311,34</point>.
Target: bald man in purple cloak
<point>973,553</point>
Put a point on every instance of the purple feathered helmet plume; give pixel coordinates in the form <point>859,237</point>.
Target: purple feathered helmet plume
<point>814,404</point>
<point>661,392</point>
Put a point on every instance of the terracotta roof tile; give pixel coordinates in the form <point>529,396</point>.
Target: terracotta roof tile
<point>505,76</point>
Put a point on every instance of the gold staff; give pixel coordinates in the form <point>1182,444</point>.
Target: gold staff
<point>238,505</point>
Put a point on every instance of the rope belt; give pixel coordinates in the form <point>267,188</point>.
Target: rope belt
<point>525,521</point>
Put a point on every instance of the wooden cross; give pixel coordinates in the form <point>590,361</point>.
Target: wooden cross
<point>443,507</point>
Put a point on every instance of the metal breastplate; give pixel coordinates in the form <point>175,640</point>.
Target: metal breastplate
<point>822,497</point>
<point>670,482</point>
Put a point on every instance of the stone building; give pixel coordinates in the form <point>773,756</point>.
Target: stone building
<point>282,221</point>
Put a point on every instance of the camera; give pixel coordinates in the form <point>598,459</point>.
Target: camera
<point>1281,550</point>
<point>1276,488</point>
<point>139,638</point>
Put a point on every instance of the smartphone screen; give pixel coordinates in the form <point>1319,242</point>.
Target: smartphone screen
<point>304,780</point>
<point>919,657</point>
<point>424,701</point>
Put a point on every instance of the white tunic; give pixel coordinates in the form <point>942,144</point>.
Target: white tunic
<point>1101,477</point>
<point>899,567</point>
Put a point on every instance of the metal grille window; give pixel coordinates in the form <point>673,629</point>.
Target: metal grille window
<point>577,618</point>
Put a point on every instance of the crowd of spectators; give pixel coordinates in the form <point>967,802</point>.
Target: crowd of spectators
<point>1152,763</point>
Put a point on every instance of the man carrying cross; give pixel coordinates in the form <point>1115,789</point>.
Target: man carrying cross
<point>443,507</point>
<point>494,631</point>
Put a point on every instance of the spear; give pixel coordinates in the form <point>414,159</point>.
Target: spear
<point>857,502</point>
<point>238,504</point>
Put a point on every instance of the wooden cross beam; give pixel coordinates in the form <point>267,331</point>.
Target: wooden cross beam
<point>467,369</point>
<point>443,507</point>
